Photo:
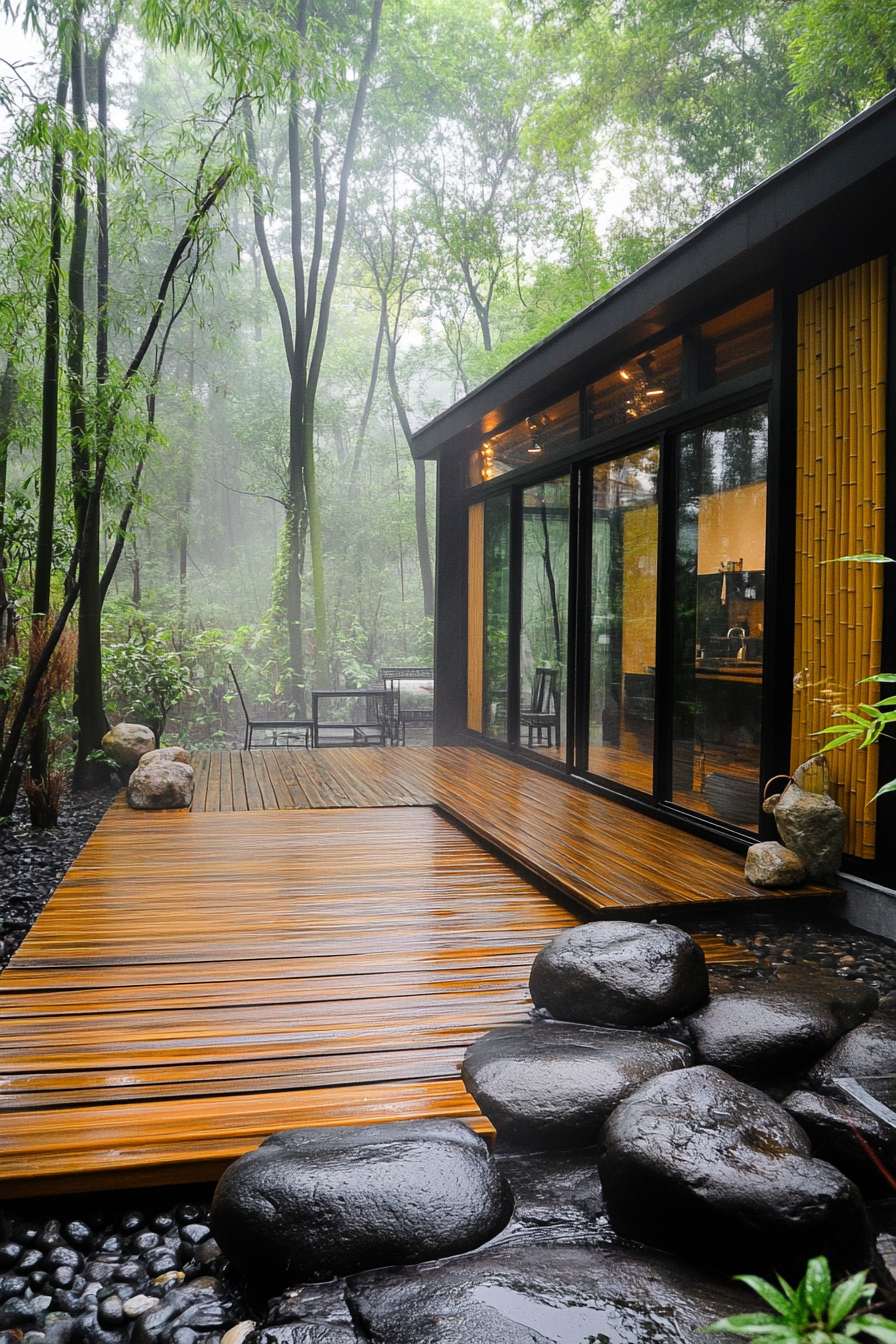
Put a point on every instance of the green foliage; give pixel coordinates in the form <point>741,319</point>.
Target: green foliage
<point>145,679</point>
<point>814,1311</point>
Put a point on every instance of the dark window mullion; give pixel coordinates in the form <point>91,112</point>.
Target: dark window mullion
<point>515,617</point>
<point>665,624</point>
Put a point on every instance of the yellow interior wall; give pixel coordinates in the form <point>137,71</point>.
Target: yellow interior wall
<point>639,589</point>
<point>841,388</point>
<point>731,526</point>
<point>475,614</point>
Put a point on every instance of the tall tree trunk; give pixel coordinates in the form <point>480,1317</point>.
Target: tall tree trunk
<point>88,702</point>
<point>8,397</point>
<point>420,518</point>
<point>368,400</point>
<point>49,428</point>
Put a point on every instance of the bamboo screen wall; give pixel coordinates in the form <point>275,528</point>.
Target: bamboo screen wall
<point>475,615</point>
<point>841,374</point>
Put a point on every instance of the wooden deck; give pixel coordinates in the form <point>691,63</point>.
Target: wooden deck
<point>199,981</point>
<point>203,978</point>
<point>598,853</point>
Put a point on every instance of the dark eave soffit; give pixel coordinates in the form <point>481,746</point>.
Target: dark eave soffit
<point>841,191</point>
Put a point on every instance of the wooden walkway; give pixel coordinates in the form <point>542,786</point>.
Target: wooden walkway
<point>598,853</point>
<point>201,979</point>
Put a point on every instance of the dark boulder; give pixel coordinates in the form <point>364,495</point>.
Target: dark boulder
<point>312,1314</point>
<point>842,1134</point>
<point>696,1159</point>
<point>553,1084</point>
<point>756,1028</point>
<point>535,1294</point>
<point>619,973</point>
<point>310,1204</point>
<point>868,1049</point>
<point>556,1194</point>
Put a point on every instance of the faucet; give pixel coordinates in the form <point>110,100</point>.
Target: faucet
<point>742,635</point>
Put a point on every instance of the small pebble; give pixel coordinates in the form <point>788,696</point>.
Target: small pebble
<point>237,1333</point>
<point>168,1279</point>
<point>137,1306</point>
<point>110,1312</point>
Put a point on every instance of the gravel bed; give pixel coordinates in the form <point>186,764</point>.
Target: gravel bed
<point>33,862</point>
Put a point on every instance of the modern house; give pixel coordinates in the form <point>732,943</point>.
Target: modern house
<point>638,518</point>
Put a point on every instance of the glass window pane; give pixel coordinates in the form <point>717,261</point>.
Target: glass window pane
<point>536,439</point>
<point>738,342</point>
<point>720,618</point>
<point>496,565</point>
<point>623,619</point>
<point>645,384</point>
<point>543,621</point>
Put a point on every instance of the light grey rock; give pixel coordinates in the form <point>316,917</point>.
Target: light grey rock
<point>810,822</point>
<point>167,754</point>
<point>553,1084</point>
<point>162,785</point>
<point>697,1160</point>
<point>770,864</point>
<point>126,743</point>
<point>142,1302</point>
<point>619,973</point>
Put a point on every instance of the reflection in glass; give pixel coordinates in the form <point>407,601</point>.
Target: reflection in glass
<point>645,384</point>
<point>543,621</point>
<point>496,565</point>
<point>720,618</point>
<point>738,342</point>
<point>623,619</point>
<point>534,440</point>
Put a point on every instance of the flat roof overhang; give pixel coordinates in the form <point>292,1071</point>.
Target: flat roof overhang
<point>838,197</point>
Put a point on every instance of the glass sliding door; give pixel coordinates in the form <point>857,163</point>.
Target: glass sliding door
<point>496,615</point>
<point>623,619</point>
<point>719,617</point>
<point>543,617</point>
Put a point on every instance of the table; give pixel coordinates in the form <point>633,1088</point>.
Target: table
<point>349,734</point>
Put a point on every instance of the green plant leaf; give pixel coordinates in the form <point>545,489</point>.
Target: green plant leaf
<point>869,557</point>
<point>817,1285</point>
<point>881,676</point>
<point>886,788</point>
<point>878,1327</point>
<point>769,1293</point>
<point>845,1296</point>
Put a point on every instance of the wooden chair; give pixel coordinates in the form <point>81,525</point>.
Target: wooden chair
<point>290,727</point>
<point>543,714</point>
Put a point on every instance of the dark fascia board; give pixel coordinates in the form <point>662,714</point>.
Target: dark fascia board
<point>839,191</point>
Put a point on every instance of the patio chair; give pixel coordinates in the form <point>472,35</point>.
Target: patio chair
<point>543,714</point>
<point>289,727</point>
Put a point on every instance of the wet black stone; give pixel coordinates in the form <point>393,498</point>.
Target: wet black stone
<point>553,1084</point>
<point>111,1245</point>
<point>188,1213</point>
<point>38,1280</point>
<point>51,1235</point>
<point>869,1049</point>
<point>9,1253</point>
<point>160,1262</point>
<point>12,1285</point>
<point>523,1294</point>
<point>756,1028</point>
<point>619,973</point>
<point>194,1233</point>
<point>110,1313</point>
<point>66,1300</point>
<point>145,1241</point>
<point>58,1327</point>
<point>839,1133</point>
<point>17,1313</point>
<point>64,1255</point>
<point>63,1277</point>
<point>313,1203</point>
<point>183,1335</point>
<point>99,1271</point>
<point>130,1272</point>
<point>90,1330</point>
<point>30,1259</point>
<point>78,1234</point>
<point>316,1313</point>
<point>131,1222</point>
<point>163,1222</point>
<point>556,1192</point>
<point>700,1160</point>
